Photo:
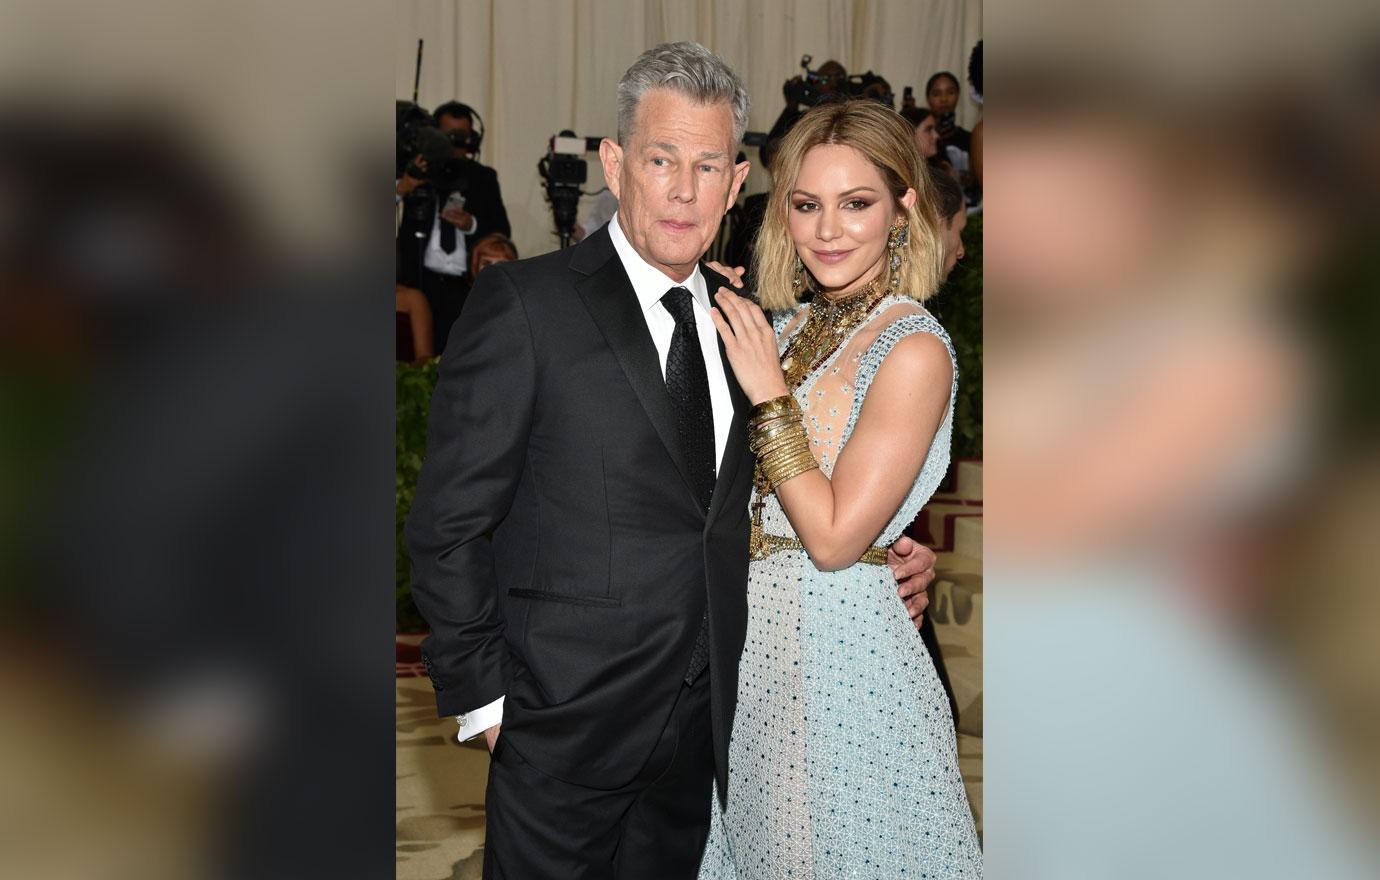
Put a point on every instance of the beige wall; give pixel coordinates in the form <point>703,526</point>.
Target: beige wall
<point>534,67</point>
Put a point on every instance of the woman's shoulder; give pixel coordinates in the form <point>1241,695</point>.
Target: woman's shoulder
<point>910,342</point>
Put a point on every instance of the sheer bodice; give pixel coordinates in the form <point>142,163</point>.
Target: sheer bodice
<point>832,399</point>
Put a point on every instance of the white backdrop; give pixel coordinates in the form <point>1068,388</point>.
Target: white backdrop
<point>534,67</point>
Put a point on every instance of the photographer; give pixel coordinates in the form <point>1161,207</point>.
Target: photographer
<point>805,91</point>
<point>450,201</point>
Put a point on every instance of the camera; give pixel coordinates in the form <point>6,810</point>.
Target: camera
<point>565,170</point>
<point>814,87</point>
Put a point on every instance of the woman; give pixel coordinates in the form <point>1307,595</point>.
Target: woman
<point>926,131</point>
<point>492,248</point>
<point>842,760</point>
<point>412,325</point>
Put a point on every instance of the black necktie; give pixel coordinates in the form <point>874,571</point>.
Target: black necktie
<point>447,234</point>
<point>687,380</point>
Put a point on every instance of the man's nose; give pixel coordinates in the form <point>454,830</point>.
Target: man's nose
<point>683,185</point>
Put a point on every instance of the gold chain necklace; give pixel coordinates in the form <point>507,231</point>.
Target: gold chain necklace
<point>827,326</point>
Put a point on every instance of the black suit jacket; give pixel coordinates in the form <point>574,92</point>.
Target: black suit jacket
<point>559,553</point>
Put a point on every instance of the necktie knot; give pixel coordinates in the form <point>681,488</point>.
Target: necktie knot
<point>679,302</point>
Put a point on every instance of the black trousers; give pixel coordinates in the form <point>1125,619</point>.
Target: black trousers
<point>654,828</point>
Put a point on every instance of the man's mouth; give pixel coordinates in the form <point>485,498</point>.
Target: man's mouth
<point>677,225</point>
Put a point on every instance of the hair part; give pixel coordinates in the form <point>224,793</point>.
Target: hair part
<point>886,140</point>
<point>688,69</point>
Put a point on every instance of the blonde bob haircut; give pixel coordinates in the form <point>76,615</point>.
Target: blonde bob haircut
<point>886,139</point>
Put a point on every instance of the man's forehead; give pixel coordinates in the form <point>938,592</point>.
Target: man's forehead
<point>668,117</point>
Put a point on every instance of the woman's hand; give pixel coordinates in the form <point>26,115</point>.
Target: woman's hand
<point>750,344</point>
<point>734,275</point>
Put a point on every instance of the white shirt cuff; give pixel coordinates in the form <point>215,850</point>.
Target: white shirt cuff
<point>474,723</point>
<point>474,225</point>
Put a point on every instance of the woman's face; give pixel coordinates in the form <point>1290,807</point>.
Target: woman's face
<point>839,215</point>
<point>942,96</point>
<point>927,137</point>
<point>953,240</point>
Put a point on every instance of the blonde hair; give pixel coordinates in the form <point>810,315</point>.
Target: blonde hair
<point>886,139</point>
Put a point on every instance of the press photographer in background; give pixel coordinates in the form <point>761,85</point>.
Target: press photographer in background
<point>450,201</point>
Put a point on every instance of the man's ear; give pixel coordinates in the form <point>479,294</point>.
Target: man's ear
<point>740,173</point>
<point>611,157</point>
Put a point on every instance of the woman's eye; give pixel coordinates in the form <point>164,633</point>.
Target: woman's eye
<point>855,204</point>
<point>805,206</point>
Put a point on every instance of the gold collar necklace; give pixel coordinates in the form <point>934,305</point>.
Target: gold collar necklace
<point>827,326</point>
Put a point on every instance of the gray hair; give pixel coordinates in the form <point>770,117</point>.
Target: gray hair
<point>687,68</point>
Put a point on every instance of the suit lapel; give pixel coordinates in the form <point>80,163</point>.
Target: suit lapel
<point>737,429</point>
<point>612,303</point>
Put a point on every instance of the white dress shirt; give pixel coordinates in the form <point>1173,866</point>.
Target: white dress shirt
<point>456,262</point>
<point>650,284</point>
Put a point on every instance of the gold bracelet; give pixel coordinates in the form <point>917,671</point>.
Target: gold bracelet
<point>776,406</point>
<point>763,436</point>
<point>792,469</point>
<point>764,445</point>
<point>788,458</point>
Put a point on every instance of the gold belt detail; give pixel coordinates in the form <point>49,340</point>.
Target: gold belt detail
<point>761,545</point>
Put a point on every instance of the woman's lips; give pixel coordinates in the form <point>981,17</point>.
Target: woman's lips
<point>832,257</point>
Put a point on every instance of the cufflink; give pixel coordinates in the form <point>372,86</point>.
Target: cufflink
<point>460,719</point>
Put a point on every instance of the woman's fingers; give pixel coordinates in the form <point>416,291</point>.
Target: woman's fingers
<point>725,330</point>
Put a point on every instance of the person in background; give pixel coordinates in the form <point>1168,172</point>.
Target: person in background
<point>493,248</point>
<point>830,80</point>
<point>975,80</point>
<point>468,205</point>
<point>748,219</point>
<point>413,322</point>
<point>953,217</point>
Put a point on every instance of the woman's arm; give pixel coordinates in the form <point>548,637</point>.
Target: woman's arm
<point>839,518</point>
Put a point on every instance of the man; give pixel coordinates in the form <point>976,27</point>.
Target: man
<point>461,205</point>
<point>580,527</point>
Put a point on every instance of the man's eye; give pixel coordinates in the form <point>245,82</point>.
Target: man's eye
<point>708,169</point>
<point>660,162</point>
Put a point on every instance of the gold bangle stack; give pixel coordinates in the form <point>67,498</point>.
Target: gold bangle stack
<point>779,441</point>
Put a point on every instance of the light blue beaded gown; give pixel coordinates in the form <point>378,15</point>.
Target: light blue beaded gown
<point>843,761</point>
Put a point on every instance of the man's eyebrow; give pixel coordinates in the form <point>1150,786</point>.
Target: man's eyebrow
<point>856,189</point>
<point>672,148</point>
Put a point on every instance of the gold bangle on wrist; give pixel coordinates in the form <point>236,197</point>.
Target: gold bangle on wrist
<point>775,407</point>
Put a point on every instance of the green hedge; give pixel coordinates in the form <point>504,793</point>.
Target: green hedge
<point>958,306</point>
<point>414,386</point>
